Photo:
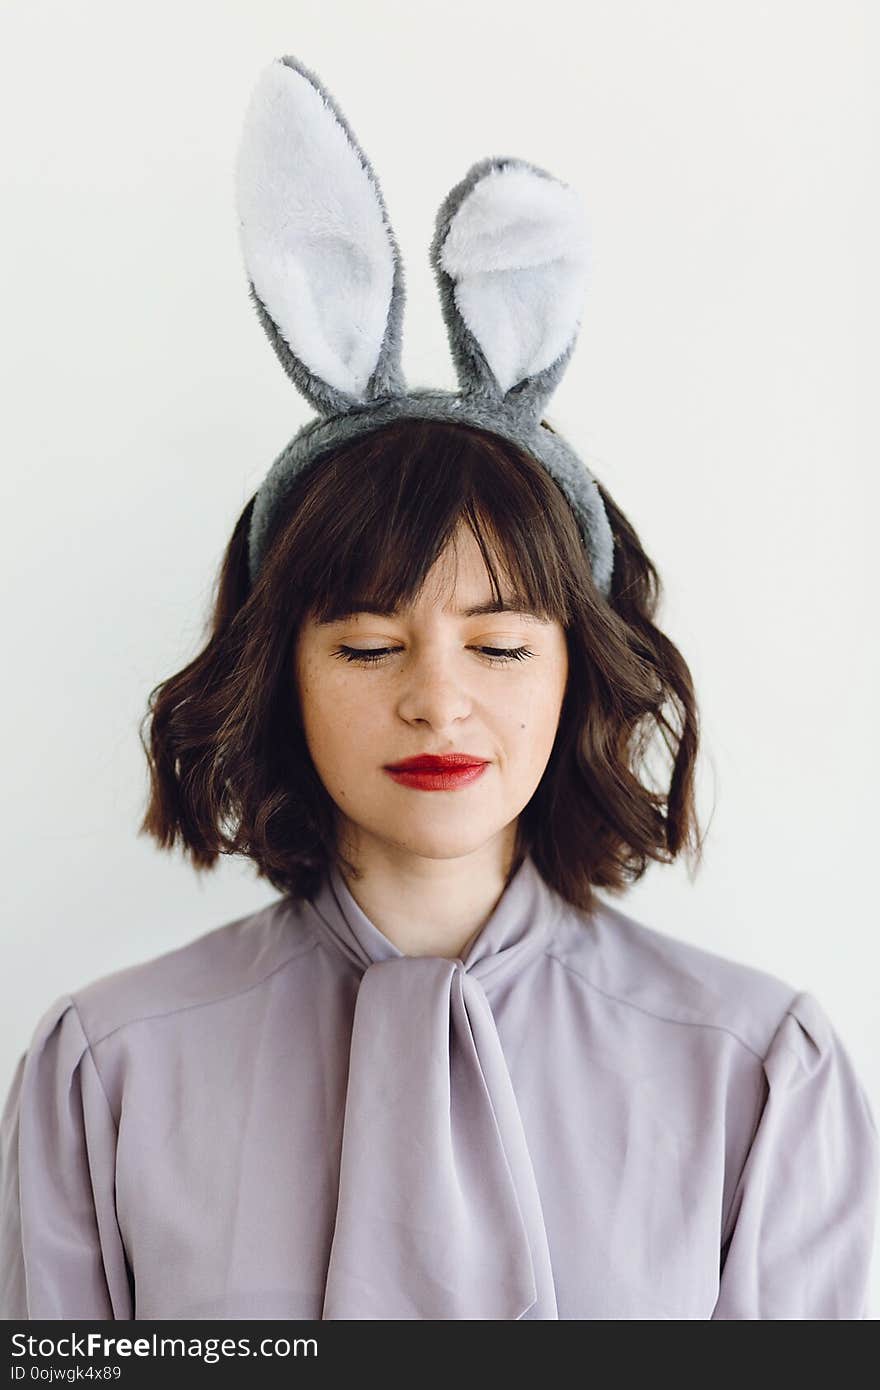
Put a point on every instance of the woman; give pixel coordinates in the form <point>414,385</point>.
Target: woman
<point>438,1077</point>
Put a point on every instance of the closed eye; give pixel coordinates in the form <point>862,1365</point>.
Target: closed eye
<point>369,656</point>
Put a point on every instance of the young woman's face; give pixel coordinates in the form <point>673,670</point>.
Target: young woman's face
<point>432,688</point>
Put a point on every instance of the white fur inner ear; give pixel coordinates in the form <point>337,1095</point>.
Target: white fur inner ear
<point>312,232</point>
<point>517,250</point>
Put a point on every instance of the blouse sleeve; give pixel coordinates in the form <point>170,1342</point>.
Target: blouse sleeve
<point>801,1229</point>
<point>61,1253</point>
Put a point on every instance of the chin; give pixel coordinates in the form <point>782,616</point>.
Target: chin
<point>439,842</point>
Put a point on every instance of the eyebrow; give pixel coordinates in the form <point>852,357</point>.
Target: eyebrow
<point>477,611</point>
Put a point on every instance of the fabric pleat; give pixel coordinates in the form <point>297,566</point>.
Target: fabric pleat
<point>438,1212</point>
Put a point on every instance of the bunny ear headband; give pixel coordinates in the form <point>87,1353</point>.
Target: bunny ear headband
<point>510,258</point>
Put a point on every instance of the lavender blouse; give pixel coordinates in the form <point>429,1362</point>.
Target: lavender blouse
<point>582,1118</point>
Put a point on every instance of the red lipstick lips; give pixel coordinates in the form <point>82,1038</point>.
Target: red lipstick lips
<point>428,772</point>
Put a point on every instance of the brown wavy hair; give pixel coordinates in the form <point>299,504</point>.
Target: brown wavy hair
<point>230,772</point>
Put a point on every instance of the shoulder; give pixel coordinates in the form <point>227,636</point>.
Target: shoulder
<point>632,965</point>
<point>227,960</point>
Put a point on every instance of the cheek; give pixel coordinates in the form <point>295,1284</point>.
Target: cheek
<point>335,709</point>
<point>533,709</point>
<point>531,725</point>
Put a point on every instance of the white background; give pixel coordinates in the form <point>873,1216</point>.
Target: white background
<point>721,389</point>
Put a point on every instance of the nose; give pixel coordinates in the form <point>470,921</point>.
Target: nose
<point>432,693</point>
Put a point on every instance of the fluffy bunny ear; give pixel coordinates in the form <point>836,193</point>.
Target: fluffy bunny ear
<point>510,255</point>
<point>323,264</point>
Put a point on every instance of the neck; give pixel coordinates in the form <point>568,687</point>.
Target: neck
<point>431,907</point>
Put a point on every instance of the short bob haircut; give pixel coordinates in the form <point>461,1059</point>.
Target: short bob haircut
<point>230,772</point>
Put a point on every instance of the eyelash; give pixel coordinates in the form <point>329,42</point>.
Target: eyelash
<point>502,656</point>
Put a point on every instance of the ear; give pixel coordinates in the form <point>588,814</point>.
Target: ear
<point>510,255</point>
<point>323,265</point>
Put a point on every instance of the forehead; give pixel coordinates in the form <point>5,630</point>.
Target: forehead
<point>359,606</point>
<point>459,585</point>
<point>459,576</point>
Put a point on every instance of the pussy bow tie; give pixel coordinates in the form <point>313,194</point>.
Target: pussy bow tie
<point>438,1213</point>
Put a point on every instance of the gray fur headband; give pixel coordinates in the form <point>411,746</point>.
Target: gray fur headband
<point>510,258</point>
